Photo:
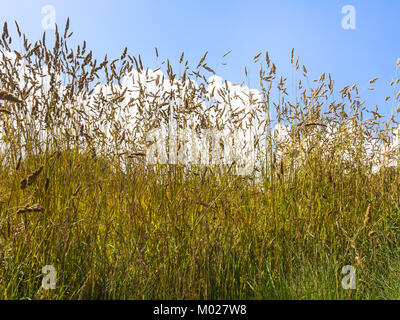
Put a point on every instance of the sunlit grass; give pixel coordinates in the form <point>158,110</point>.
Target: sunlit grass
<point>115,227</point>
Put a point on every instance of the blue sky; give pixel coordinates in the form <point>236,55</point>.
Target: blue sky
<point>312,27</point>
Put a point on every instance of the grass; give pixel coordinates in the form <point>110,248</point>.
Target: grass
<point>115,227</point>
<point>116,235</point>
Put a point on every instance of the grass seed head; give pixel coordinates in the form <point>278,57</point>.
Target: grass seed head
<point>33,208</point>
<point>26,182</point>
<point>367,217</point>
<point>7,96</point>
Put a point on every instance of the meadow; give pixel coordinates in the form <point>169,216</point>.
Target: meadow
<point>77,193</point>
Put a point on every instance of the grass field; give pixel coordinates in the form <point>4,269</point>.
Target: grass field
<point>77,194</point>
